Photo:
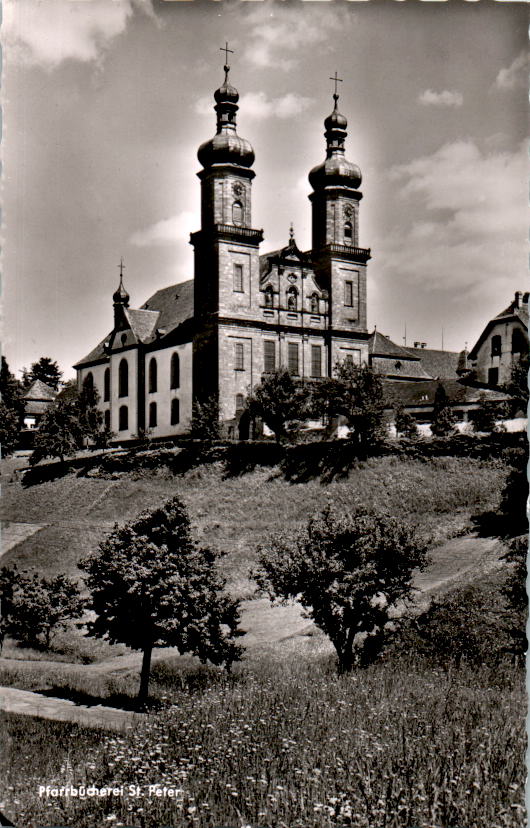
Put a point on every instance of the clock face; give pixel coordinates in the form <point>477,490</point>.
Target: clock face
<point>291,278</point>
<point>237,188</point>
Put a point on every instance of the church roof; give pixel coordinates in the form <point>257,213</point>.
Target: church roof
<point>380,345</point>
<point>164,311</point>
<point>438,364</point>
<point>422,393</point>
<point>40,391</point>
<point>400,368</point>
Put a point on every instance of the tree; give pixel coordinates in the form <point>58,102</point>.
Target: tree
<point>9,429</point>
<point>404,423</point>
<point>152,585</point>
<point>517,387</point>
<point>484,418</point>
<point>90,416</point>
<point>280,402</point>
<point>59,434</point>
<point>11,409</point>
<point>443,418</point>
<point>205,420</point>
<point>348,572</point>
<point>46,370</point>
<point>38,607</point>
<point>356,393</point>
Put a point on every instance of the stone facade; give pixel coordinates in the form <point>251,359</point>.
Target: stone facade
<point>501,344</point>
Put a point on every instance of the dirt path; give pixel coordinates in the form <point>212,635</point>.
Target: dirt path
<point>456,562</point>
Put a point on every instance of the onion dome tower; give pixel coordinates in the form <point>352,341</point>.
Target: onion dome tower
<point>120,299</point>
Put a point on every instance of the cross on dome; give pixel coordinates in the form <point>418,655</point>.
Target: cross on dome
<point>336,80</point>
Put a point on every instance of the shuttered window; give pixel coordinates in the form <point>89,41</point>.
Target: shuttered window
<point>292,358</point>
<point>239,357</point>
<point>316,361</point>
<point>269,356</point>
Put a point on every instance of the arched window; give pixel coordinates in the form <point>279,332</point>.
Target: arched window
<point>152,415</point>
<point>237,213</point>
<point>123,418</point>
<point>314,303</point>
<point>106,385</point>
<point>88,382</point>
<point>269,296</point>
<point>292,298</point>
<point>175,371</point>
<point>348,232</point>
<point>123,379</point>
<point>240,402</point>
<point>153,379</point>
<point>175,411</point>
<point>106,418</point>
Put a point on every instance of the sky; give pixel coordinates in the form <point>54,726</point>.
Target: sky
<point>106,102</point>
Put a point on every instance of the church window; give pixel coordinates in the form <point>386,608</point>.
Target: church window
<point>175,411</point>
<point>292,358</point>
<point>123,379</point>
<point>238,278</point>
<point>314,303</point>
<point>348,294</point>
<point>237,213</point>
<point>106,418</point>
<point>269,356</point>
<point>239,357</point>
<point>153,375</point>
<point>269,296</point>
<point>496,346</point>
<point>123,418</point>
<point>106,385</point>
<point>88,382</point>
<point>348,232</point>
<point>175,371</point>
<point>152,415</point>
<point>292,299</point>
<point>316,361</point>
<point>240,402</point>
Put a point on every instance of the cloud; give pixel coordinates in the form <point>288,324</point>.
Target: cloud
<point>44,33</point>
<point>516,74</point>
<point>166,231</point>
<point>461,223</point>
<point>277,33</point>
<point>256,105</point>
<point>445,98</point>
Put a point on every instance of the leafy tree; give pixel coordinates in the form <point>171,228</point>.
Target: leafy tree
<point>46,370</point>
<point>41,606</point>
<point>443,417</point>
<point>485,417</point>
<point>59,434</point>
<point>405,424</point>
<point>205,424</point>
<point>7,579</point>
<point>152,585</point>
<point>11,389</point>
<point>90,416</point>
<point>517,387</point>
<point>356,393</point>
<point>9,429</point>
<point>348,572</point>
<point>280,402</point>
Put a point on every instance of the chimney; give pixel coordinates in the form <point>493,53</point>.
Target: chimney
<point>423,345</point>
<point>417,344</point>
<point>518,298</point>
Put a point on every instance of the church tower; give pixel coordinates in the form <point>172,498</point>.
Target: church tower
<point>226,292</point>
<point>339,261</point>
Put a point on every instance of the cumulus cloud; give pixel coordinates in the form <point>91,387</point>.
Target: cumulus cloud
<point>258,106</point>
<point>45,34</point>
<point>515,75</point>
<point>276,32</point>
<point>445,98</point>
<point>166,231</point>
<point>463,221</point>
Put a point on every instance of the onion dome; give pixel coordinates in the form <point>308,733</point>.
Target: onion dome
<point>226,147</point>
<point>120,296</point>
<point>336,170</point>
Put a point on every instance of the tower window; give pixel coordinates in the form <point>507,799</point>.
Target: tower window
<point>269,296</point>
<point>153,376</point>
<point>123,379</point>
<point>106,385</point>
<point>314,303</point>
<point>175,371</point>
<point>239,357</point>
<point>348,294</point>
<point>269,356</point>
<point>292,358</point>
<point>238,278</point>
<point>316,361</point>
<point>348,232</point>
<point>292,299</point>
<point>123,418</point>
<point>496,346</point>
<point>175,411</point>
<point>237,213</point>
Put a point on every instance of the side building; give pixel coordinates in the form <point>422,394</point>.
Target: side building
<point>502,344</point>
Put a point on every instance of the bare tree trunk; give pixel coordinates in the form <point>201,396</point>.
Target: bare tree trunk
<point>143,692</point>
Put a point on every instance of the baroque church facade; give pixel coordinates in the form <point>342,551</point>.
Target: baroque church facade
<point>244,314</point>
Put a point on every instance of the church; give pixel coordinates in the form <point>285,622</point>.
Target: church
<point>244,314</point>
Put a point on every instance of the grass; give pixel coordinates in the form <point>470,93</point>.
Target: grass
<point>294,745</point>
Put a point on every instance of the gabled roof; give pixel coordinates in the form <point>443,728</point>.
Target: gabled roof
<point>39,390</point>
<point>380,345</point>
<point>517,310</point>
<point>164,311</point>
<point>438,364</point>
<point>399,367</point>
<point>37,406</point>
